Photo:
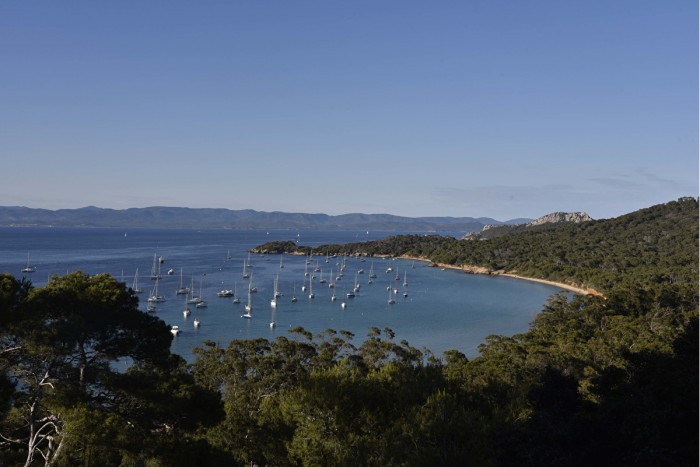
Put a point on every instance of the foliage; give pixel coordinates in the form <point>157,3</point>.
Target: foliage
<point>595,380</point>
<point>653,245</point>
<point>61,349</point>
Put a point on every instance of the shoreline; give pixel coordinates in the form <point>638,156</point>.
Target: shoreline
<point>487,272</point>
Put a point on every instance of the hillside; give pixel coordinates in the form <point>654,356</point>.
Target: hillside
<point>178,217</point>
<point>657,244</point>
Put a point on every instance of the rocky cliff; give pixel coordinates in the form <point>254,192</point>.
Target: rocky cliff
<point>557,217</point>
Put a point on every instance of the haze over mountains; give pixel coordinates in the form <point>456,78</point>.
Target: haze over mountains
<point>206,218</point>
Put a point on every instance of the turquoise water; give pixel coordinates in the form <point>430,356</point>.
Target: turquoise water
<point>444,309</point>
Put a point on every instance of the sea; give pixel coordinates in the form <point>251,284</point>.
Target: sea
<point>434,309</point>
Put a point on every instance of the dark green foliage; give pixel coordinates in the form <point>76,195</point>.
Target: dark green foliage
<point>596,380</point>
<point>653,245</point>
<point>69,405</point>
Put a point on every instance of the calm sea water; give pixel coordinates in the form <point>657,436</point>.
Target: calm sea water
<point>444,309</point>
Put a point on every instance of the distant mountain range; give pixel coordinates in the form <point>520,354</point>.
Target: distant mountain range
<point>206,218</point>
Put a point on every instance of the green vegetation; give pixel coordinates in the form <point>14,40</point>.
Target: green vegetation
<point>653,245</point>
<point>595,380</point>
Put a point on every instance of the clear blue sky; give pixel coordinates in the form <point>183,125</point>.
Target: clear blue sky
<point>453,108</point>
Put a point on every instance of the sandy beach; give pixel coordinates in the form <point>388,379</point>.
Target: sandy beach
<point>486,271</point>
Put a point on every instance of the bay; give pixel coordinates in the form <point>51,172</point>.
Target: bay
<point>443,309</point>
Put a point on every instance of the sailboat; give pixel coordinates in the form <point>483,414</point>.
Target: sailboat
<point>154,294</point>
<point>246,274</point>
<point>155,269</point>
<point>182,290</point>
<point>281,264</point>
<point>236,300</point>
<point>391,298</point>
<point>201,303</point>
<point>405,282</point>
<point>249,305</point>
<point>186,311</point>
<point>135,285</point>
<point>372,275</point>
<point>275,294</point>
<point>294,293</point>
<point>311,290</point>
<point>28,268</point>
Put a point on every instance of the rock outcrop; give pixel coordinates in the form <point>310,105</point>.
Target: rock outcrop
<point>557,217</point>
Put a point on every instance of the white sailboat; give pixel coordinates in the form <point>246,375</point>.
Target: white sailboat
<point>311,290</point>
<point>246,274</point>
<point>201,303</point>
<point>28,268</point>
<point>391,298</point>
<point>155,298</point>
<point>275,294</point>
<point>155,269</point>
<point>236,300</point>
<point>186,311</point>
<point>249,305</point>
<point>182,290</point>
<point>405,281</point>
<point>372,275</point>
<point>135,285</point>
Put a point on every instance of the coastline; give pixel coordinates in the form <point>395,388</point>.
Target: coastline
<point>486,271</point>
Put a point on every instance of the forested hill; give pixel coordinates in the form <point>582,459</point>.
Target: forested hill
<point>656,244</point>
<point>178,217</point>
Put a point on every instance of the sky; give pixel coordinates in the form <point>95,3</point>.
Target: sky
<point>493,108</point>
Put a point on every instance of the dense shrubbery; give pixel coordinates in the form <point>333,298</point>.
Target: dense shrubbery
<point>594,381</point>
